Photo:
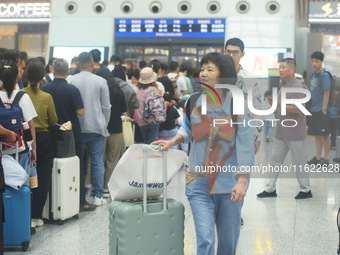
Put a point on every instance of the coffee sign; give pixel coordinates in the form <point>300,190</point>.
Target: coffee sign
<point>25,10</point>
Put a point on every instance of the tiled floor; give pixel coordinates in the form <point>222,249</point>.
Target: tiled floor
<point>278,226</point>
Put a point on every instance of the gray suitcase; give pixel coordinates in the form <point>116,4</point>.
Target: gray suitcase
<point>147,227</point>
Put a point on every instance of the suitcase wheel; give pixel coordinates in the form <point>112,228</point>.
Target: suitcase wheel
<point>60,222</point>
<point>76,217</point>
<point>25,245</point>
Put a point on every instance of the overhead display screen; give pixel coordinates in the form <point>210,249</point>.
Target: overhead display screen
<point>69,52</point>
<point>170,28</point>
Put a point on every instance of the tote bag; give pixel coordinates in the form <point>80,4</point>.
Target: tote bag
<point>15,175</point>
<point>127,133</point>
<point>126,181</point>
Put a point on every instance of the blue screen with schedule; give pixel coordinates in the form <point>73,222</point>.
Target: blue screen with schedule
<point>170,28</point>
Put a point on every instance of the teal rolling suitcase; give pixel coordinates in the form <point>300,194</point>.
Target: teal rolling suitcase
<point>147,227</point>
<point>17,225</point>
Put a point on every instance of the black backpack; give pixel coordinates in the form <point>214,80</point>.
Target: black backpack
<point>334,92</point>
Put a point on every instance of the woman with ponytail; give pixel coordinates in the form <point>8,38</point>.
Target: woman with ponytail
<point>9,76</point>
<point>47,117</point>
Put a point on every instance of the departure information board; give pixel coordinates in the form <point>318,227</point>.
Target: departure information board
<point>190,28</point>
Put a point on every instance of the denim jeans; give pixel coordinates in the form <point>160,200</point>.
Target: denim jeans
<point>95,147</point>
<point>210,209</point>
<point>149,133</point>
<point>24,161</point>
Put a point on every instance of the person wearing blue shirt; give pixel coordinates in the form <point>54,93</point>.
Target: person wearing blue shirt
<point>219,154</point>
<point>319,123</point>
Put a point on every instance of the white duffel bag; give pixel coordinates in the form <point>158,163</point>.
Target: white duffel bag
<point>126,181</point>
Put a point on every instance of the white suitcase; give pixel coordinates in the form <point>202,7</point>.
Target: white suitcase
<point>63,202</point>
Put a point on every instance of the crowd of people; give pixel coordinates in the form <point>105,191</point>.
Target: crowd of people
<point>95,96</point>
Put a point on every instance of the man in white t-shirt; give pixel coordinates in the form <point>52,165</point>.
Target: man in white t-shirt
<point>234,47</point>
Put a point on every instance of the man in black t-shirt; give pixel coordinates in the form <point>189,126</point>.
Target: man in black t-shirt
<point>69,105</point>
<point>168,129</point>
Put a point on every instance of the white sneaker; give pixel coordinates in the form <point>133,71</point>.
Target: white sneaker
<point>106,193</point>
<point>37,222</point>
<point>98,201</point>
<point>89,199</point>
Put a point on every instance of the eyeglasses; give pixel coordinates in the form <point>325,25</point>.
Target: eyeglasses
<point>229,52</point>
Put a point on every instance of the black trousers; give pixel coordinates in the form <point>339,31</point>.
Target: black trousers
<point>44,170</point>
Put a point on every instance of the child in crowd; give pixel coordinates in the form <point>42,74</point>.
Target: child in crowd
<point>168,129</point>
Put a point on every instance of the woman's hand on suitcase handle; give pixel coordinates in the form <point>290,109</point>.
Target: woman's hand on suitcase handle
<point>165,144</point>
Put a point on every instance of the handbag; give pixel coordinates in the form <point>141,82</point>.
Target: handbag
<point>127,133</point>
<point>126,181</point>
<point>33,176</point>
<point>64,144</point>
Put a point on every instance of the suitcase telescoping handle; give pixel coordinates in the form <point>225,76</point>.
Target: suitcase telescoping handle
<point>147,148</point>
<point>16,148</point>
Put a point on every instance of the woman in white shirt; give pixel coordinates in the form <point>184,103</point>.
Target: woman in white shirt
<point>9,75</point>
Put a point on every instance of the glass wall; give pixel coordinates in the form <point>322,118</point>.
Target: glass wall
<point>32,38</point>
<point>184,54</point>
<point>7,36</point>
<point>331,49</point>
<point>34,44</point>
<point>166,53</point>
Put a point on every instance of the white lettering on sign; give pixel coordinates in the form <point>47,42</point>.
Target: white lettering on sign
<point>25,10</point>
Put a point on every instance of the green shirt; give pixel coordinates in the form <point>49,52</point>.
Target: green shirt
<point>44,106</point>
